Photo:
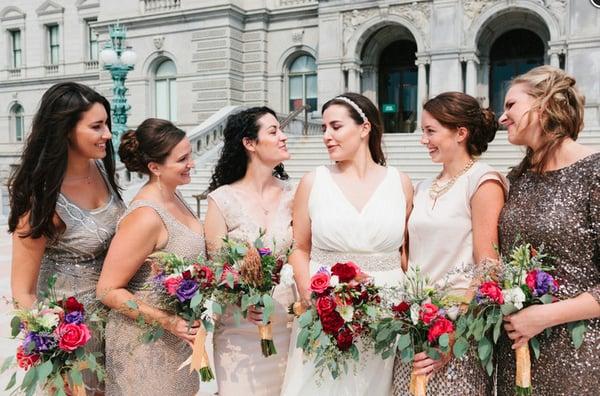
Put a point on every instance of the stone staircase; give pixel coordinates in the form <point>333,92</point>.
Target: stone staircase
<point>403,151</point>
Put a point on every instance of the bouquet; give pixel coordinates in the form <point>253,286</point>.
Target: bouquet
<point>248,274</point>
<point>53,335</point>
<point>345,303</point>
<point>186,286</point>
<point>524,278</point>
<point>422,321</point>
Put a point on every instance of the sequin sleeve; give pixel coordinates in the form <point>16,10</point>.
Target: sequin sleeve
<point>595,219</point>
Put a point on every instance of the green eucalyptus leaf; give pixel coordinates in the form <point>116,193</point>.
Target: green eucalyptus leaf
<point>12,382</point>
<point>508,309</point>
<point>404,342</point>
<point>461,346</point>
<point>535,347</point>
<point>484,349</point>
<point>444,340</point>
<point>15,326</point>
<point>302,339</point>
<point>497,329</point>
<point>76,377</point>
<point>44,370</point>
<point>269,307</point>
<point>6,364</point>
<point>577,330</point>
<point>547,299</point>
<point>306,318</point>
<point>196,300</point>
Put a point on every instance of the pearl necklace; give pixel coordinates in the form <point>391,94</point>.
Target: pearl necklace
<point>436,190</point>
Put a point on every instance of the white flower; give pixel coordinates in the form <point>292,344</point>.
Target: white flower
<point>334,281</point>
<point>346,312</point>
<point>514,296</point>
<point>414,313</point>
<point>48,320</point>
<point>287,275</point>
<point>453,312</point>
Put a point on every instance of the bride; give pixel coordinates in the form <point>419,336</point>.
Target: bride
<point>354,210</point>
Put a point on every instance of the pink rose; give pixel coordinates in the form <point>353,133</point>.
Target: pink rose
<point>319,282</point>
<point>492,291</point>
<point>428,313</point>
<point>72,336</point>
<point>439,327</point>
<point>172,284</point>
<point>530,280</point>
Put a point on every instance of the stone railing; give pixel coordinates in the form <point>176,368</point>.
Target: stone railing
<point>159,5</point>
<point>51,69</point>
<point>14,73</point>
<point>91,65</point>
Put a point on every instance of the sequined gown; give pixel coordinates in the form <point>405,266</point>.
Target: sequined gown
<point>135,368</point>
<point>77,255</point>
<point>240,366</point>
<point>372,238</point>
<point>560,210</point>
<point>441,243</point>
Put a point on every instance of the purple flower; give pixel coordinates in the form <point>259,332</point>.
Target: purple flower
<point>324,270</point>
<point>544,283</point>
<point>75,317</point>
<point>38,342</point>
<point>264,252</point>
<point>186,290</point>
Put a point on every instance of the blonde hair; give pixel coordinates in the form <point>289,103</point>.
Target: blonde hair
<point>560,106</point>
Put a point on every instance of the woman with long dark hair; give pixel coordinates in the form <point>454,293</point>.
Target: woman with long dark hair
<point>158,219</point>
<point>64,200</point>
<point>249,194</point>
<point>353,210</point>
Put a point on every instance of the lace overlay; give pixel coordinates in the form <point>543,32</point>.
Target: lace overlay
<point>240,366</point>
<point>77,255</point>
<point>368,262</point>
<point>561,210</point>
<point>135,368</point>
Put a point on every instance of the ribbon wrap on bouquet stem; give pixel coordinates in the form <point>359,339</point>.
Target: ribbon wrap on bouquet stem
<point>418,384</point>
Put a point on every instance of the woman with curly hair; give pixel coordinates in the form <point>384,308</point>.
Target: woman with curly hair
<point>64,201</point>
<point>249,194</point>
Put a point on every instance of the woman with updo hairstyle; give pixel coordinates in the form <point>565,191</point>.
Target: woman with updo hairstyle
<point>249,194</point>
<point>157,220</point>
<point>352,210</point>
<point>554,202</point>
<point>453,226</point>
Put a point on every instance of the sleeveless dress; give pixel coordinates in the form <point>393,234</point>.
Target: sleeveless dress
<point>371,238</point>
<point>560,210</point>
<point>76,258</point>
<point>441,244</point>
<point>135,368</point>
<point>240,366</point>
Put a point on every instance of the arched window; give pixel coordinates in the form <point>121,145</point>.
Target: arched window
<point>303,82</point>
<point>17,121</point>
<point>165,90</point>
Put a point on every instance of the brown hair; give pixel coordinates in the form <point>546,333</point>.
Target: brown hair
<point>152,141</point>
<point>372,114</point>
<point>456,109</point>
<point>560,106</point>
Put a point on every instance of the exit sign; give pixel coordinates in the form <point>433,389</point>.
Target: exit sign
<point>389,108</point>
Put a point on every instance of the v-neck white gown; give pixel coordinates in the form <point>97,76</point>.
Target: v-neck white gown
<point>372,239</point>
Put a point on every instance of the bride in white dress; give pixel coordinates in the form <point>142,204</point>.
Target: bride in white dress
<point>354,210</point>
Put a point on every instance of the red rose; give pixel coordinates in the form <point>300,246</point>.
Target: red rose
<point>439,327</point>
<point>319,282</point>
<point>73,305</point>
<point>187,274</point>
<point>332,323</point>
<point>345,271</point>
<point>25,361</point>
<point>401,308</point>
<point>325,305</point>
<point>428,313</point>
<point>530,280</point>
<point>344,339</point>
<point>206,276</point>
<point>172,284</point>
<point>492,291</point>
<point>72,336</point>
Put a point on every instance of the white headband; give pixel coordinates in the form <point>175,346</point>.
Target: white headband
<point>355,107</point>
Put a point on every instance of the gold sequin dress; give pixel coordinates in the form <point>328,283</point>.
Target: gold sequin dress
<point>241,369</point>
<point>561,210</point>
<point>135,368</point>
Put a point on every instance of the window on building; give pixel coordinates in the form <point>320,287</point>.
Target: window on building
<point>16,51</point>
<point>92,41</point>
<point>303,82</point>
<point>54,45</point>
<point>18,122</point>
<point>165,90</point>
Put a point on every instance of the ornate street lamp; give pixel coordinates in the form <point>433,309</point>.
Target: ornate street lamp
<point>118,60</point>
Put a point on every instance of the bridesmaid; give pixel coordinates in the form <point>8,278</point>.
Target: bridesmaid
<point>249,194</point>
<point>65,202</point>
<point>158,219</point>
<point>453,225</point>
<point>555,202</point>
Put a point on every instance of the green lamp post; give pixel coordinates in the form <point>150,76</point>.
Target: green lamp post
<point>118,60</point>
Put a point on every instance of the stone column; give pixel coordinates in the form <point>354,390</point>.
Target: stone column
<point>554,60</point>
<point>421,88</point>
<point>471,83</point>
<point>353,79</point>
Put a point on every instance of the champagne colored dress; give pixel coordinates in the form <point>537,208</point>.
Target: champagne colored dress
<point>240,366</point>
<point>561,211</point>
<point>135,368</point>
<point>440,237</point>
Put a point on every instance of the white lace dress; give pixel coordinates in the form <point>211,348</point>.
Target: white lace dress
<point>372,239</point>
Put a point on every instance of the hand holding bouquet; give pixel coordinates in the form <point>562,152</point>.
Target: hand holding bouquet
<point>53,335</point>
<point>186,286</point>
<point>345,302</point>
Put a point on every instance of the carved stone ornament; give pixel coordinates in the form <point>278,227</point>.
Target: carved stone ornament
<point>297,36</point>
<point>353,19</point>
<point>418,13</point>
<point>158,42</point>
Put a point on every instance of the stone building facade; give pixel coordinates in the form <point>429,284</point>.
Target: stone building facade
<point>197,56</point>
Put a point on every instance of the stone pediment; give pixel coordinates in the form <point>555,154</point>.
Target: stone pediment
<point>11,13</point>
<point>49,7</point>
<point>85,4</point>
